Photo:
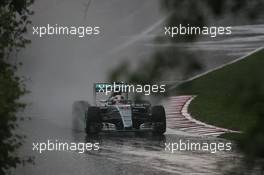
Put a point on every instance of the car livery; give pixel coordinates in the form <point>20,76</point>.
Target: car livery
<point>124,115</point>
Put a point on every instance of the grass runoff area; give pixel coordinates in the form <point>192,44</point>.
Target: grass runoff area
<point>231,97</point>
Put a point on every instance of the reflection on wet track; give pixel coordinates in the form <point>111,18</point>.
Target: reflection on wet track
<point>119,153</point>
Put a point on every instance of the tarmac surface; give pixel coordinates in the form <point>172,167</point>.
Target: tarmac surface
<point>120,153</point>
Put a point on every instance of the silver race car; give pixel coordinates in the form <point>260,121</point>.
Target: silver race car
<point>117,113</point>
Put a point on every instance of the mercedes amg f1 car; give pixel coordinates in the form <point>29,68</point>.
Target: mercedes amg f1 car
<point>121,114</point>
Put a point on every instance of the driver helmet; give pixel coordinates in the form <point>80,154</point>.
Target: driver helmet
<point>117,97</point>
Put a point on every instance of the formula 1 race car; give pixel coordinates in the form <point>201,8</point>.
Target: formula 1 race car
<point>118,113</point>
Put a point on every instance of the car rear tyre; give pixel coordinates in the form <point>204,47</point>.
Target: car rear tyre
<point>158,119</point>
<point>93,120</point>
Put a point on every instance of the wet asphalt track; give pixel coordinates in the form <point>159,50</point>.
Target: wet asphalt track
<point>126,153</point>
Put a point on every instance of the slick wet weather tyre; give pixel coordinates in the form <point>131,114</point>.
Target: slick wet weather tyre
<point>158,119</point>
<point>93,120</point>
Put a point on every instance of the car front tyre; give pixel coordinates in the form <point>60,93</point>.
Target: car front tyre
<point>93,120</point>
<point>158,119</point>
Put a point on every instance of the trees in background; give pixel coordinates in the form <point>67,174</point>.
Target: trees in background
<point>14,16</point>
<point>169,62</point>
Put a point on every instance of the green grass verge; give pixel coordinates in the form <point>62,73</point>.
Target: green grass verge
<point>228,97</point>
